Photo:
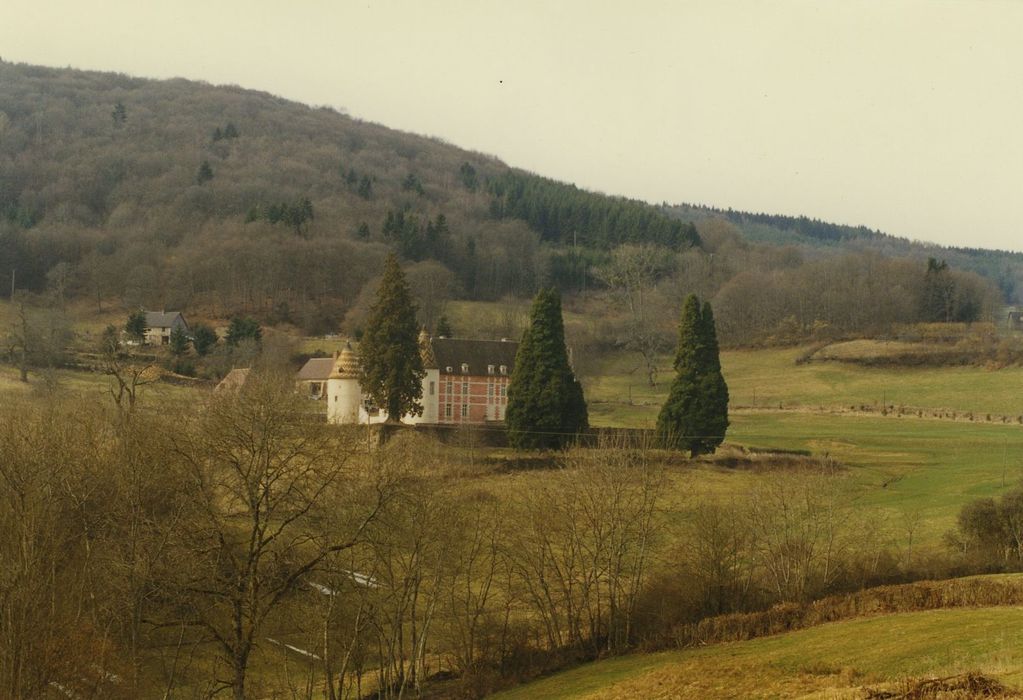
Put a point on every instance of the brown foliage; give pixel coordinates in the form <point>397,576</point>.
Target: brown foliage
<point>966,685</point>
<point>883,600</point>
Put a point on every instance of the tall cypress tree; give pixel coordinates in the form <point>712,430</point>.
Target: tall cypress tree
<point>713,405</point>
<point>695,415</point>
<point>546,406</point>
<point>392,368</point>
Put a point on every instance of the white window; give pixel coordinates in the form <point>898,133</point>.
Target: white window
<point>465,410</point>
<point>431,388</point>
<point>490,391</point>
<point>465,387</point>
<point>504,369</point>
<point>465,368</point>
<point>449,369</point>
<point>447,410</point>
<point>450,388</point>
<point>490,369</point>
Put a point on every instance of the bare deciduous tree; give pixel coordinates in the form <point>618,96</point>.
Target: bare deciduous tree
<point>264,478</point>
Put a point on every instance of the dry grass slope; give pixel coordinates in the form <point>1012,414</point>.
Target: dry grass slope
<point>898,654</point>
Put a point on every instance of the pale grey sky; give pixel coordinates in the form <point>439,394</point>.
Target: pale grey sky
<point>902,115</point>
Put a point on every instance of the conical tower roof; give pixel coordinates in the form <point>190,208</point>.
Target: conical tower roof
<point>346,366</point>
<point>426,350</point>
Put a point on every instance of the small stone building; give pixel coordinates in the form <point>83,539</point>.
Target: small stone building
<point>160,324</point>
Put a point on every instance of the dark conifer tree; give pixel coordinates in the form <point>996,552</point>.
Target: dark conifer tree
<point>240,329</point>
<point>713,389</point>
<point>444,328</point>
<point>365,187</point>
<point>203,338</point>
<point>938,303</point>
<point>392,367</point>
<point>136,325</point>
<point>546,407</point>
<point>467,174</point>
<point>205,173</point>
<point>695,415</point>
<point>120,114</point>
<point>178,342</point>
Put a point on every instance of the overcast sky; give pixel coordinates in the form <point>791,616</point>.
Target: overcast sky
<point>901,115</point>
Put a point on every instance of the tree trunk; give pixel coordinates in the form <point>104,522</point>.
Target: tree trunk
<point>239,662</point>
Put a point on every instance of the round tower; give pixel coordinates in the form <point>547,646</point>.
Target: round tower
<point>431,381</point>
<point>344,395</point>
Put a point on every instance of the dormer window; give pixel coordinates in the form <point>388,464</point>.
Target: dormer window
<point>465,368</point>
<point>449,369</point>
<point>490,369</point>
<point>504,369</point>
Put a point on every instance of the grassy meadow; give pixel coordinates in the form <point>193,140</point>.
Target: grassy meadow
<point>898,469</point>
<point>770,378</point>
<point>904,468</point>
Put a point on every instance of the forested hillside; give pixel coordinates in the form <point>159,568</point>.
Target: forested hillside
<point>1005,268</point>
<point>224,201</point>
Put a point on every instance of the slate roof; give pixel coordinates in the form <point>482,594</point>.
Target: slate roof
<point>317,369</point>
<point>233,381</point>
<point>478,354</point>
<point>164,319</point>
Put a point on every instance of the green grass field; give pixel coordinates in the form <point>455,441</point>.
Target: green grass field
<point>769,378</point>
<point>92,385</point>
<point>897,468</point>
<point>930,466</point>
<point>832,660</point>
<point>901,467</point>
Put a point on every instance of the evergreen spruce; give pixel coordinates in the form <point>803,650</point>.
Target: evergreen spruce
<point>120,114</point>
<point>365,187</point>
<point>695,415</point>
<point>205,173</point>
<point>392,367</point>
<point>136,326</point>
<point>204,339</point>
<point>444,328</point>
<point>546,407</point>
<point>939,292</point>
<point>178,342</point>
<point>240,329</point>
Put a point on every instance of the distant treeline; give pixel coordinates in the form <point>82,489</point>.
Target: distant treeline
<point>1003,268</point>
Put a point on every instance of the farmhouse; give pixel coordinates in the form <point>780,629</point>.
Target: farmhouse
<point>159,325</point>
<point>466,382</point>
